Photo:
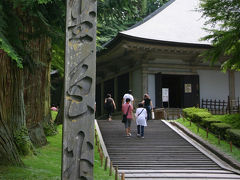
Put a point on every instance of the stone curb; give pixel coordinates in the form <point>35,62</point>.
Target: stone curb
<point>228,159</point>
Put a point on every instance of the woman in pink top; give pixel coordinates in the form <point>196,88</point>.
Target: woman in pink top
<point>127,108</point>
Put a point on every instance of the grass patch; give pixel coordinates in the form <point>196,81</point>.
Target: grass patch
<point>212,139</point>
<point>54,115</point>
<point>99,173</point>
<point>232,119</point>
<point>196,114</point>
<point>46,165</point>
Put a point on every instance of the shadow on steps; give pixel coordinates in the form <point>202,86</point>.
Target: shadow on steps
<point>115,115</point>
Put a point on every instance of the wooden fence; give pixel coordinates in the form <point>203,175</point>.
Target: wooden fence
<point>221,107</point>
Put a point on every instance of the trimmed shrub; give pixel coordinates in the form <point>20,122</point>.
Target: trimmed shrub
<point>220,129</point>
<point>199,116</point>
<point>233,119</point>
<point>206,122</point>
<point>234,136</point>
<point>188,112</point>
<point>196,114</point>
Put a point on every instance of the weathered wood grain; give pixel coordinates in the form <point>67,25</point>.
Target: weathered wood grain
<point>79,92</point>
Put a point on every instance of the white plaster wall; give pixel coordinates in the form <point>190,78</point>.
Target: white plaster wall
<point>237,84</point>
<point>213,85</point>
<point>151,88</point>
<point>136,86</point>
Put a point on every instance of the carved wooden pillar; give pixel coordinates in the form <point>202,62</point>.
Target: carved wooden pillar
<point>144,82</point>
<point>79,97</point>
<point>116,90</point>
<point>102,98</point>
<point>130,80</point>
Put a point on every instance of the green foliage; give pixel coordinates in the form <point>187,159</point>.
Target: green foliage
<point>232,119</point>
<point>46,17</point>
<point>218,124</point>
<point>220,129</point>
<point>199,116</point>
<point>191,110</point>
<point>49,129</point>
<point>56,12</point>
<point>234,136</point>
<point>99,172</point>
<point>115,16</point>
<point>23,141</point>
<point>29,4</point>
<point>196,114</point>
<point>7,19</point>
<point>58,58</point>
<point>224,16</point>
<point>206,122</point>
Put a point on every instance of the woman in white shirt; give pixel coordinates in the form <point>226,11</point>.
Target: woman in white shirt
<point>128,95</point>
<point>141,115</point>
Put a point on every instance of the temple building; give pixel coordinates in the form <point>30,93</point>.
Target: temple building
<point>161,55</point>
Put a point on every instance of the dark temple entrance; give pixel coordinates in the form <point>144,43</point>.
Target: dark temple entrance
<point>123,87</point>
<point>173,82</point>
<point>183,90</point>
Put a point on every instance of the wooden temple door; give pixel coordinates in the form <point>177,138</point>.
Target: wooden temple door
<point>190,90</point>
<point>158,92</point>
<point>123,87</point>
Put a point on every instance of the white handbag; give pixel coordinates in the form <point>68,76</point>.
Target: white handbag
<point>153,115</point>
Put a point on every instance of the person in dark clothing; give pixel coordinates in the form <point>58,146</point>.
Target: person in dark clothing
<point>109,106</point>
<point>147,102</point>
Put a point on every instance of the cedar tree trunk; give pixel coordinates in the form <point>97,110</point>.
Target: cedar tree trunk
<point>12,113</point>
<point>37,90</point>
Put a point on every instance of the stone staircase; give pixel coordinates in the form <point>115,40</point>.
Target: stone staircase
<point>161,113</point>
<point>179,175</point>
<point>162,154</point>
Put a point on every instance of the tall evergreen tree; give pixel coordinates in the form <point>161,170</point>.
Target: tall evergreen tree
<point>27,30</point>
<point>224,16</point>
<point>118,15</point>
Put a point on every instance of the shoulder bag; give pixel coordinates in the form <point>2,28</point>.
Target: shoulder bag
<point>140,112</point>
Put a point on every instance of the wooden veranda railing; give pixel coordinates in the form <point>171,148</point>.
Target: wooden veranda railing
<point>221,106</point>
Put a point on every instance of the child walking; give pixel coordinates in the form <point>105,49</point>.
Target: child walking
<point>141,115</point>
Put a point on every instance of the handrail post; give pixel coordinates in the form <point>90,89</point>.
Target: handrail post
<point>116,173</point>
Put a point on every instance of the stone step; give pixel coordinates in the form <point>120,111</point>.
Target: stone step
<point>162,154</point>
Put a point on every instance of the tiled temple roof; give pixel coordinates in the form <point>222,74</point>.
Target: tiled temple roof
<point>177,21</point>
